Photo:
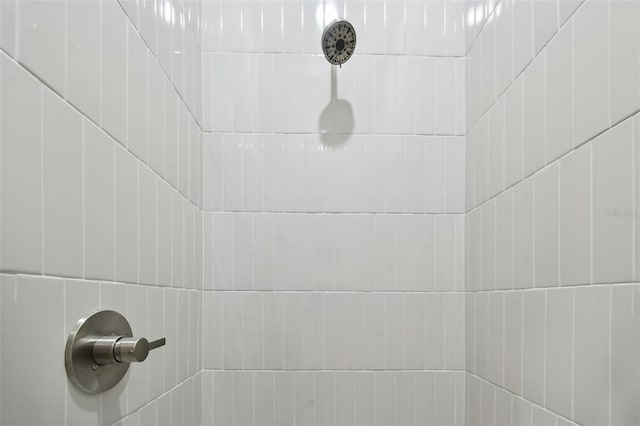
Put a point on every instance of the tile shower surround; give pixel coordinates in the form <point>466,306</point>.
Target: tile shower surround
<point>333,219</point>
<point>541,124</point>
<point>100,177</point>
<point>552,229</point>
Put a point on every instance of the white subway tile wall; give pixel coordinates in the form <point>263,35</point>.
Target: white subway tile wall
<point>347,397</point>
<point>333,226</point>
<point>90,98</point>
<point>368,174</point>
<point>552,214</point>
<point>334,252</point>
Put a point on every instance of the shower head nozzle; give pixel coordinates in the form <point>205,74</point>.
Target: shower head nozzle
<point>338,41</point>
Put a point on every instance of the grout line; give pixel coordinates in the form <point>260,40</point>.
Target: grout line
<point>526,66</point>
<point>515,396</point>
<point>373,291</point>
<point>586,144</point>
<point>293,133</point>
<point>242,212</point>
<point>83,115</point>
<point>153,54</point>
<point>320,55</point>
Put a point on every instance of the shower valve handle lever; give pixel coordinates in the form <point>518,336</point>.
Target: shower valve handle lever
<point>131,349</point>
<point>121,349</point>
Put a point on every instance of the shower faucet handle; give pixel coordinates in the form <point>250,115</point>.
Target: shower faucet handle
<point>131,349</point>
<point>100,349</point>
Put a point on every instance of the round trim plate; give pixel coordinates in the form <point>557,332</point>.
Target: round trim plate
<point>82,370</point>
<point>338,41</point>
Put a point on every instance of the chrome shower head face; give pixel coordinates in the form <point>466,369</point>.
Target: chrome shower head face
<point>338,41</point>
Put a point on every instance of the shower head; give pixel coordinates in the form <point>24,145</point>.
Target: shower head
<point>338,41</point>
